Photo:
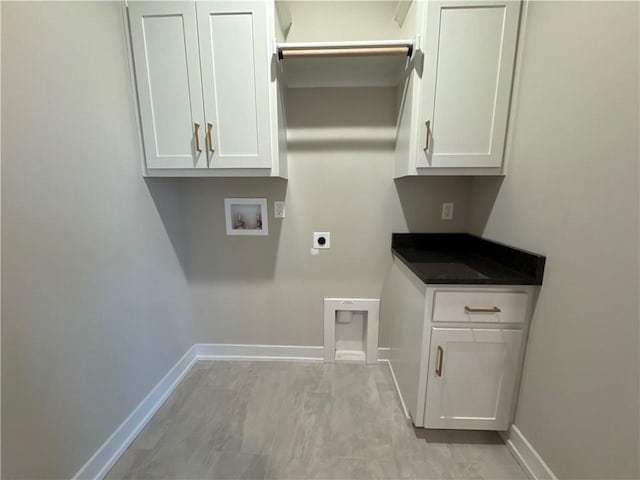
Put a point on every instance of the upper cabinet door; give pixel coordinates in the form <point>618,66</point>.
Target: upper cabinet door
<point>469,49</point>
<point>235,76</point>
<point>165,49</point>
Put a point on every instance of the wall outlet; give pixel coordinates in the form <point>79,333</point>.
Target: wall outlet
<point>278,209</point>
<point>321,240</point>
<point>447,211</point>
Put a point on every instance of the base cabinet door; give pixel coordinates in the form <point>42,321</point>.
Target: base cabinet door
<point>471,379</point>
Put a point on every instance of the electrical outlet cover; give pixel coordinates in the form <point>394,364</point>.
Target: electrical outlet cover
<point>447,211</point>
<point>321,240</point>
<point>278,209</point>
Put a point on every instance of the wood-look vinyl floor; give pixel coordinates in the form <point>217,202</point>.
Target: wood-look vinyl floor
<point>255,420</point>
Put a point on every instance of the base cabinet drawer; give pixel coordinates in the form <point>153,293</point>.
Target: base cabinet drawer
<point>472,378</point>
<point>480,307</point>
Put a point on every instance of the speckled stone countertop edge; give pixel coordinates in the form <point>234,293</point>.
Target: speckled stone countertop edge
<point>509,265</point>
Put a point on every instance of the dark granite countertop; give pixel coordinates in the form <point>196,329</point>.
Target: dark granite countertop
<point>461,258</point>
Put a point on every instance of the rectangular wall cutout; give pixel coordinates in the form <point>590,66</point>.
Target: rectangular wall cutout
<point>246,216</point>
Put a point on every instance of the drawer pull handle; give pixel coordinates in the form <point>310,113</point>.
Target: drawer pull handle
<point>439,361</point>
<point>481,310</point>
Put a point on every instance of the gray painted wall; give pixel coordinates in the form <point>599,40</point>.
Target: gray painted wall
<point>571,193</point>
<point>95,304</point>
<point>270,290</point>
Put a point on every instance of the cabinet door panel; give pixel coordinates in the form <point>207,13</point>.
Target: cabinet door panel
<point>406,337</point>
<point>469,56</point>
<point>474,386</point>
<point>235,75</point>
<point>165,49</point>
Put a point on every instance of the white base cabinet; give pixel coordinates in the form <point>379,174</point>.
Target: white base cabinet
<point>457,350</point>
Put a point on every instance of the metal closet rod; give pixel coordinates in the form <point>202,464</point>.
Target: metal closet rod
<point>404,50</point>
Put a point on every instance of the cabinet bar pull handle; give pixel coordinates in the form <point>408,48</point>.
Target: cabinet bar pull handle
<point>196,137</point>
<point>209,141</point>
<point>439,361</point>
<point>481,310</point>
<point>426,142</point>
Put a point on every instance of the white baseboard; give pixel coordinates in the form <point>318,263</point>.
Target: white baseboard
<point>267,353</point>
<point>383,354</point>
<point>395,382</point>
<point>108,454</point>
<point>526,455</point>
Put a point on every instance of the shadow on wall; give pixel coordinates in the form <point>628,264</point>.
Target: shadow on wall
<point>211,255</point>
<point>167,199</point>
<point>484,192</point>
<point>425,217</point>
<point>341,119</point>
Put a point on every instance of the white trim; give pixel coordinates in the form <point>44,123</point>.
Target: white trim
<point>256,353</point>
<point>108,454</point>
<point>112,449</point>
<point>395,382</point>
<point>268,353</point>
<point>526,455</point>
<point>383,354</point>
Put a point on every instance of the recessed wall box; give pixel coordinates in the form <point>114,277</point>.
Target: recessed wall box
<point>246,216</point>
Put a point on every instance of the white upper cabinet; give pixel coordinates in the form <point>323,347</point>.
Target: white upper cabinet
<point>457,120</point>
<point>211,77</point>
<point>208,104</point>
<point>235,77</point>
<point>167,66</point>
<point>469,54</point>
